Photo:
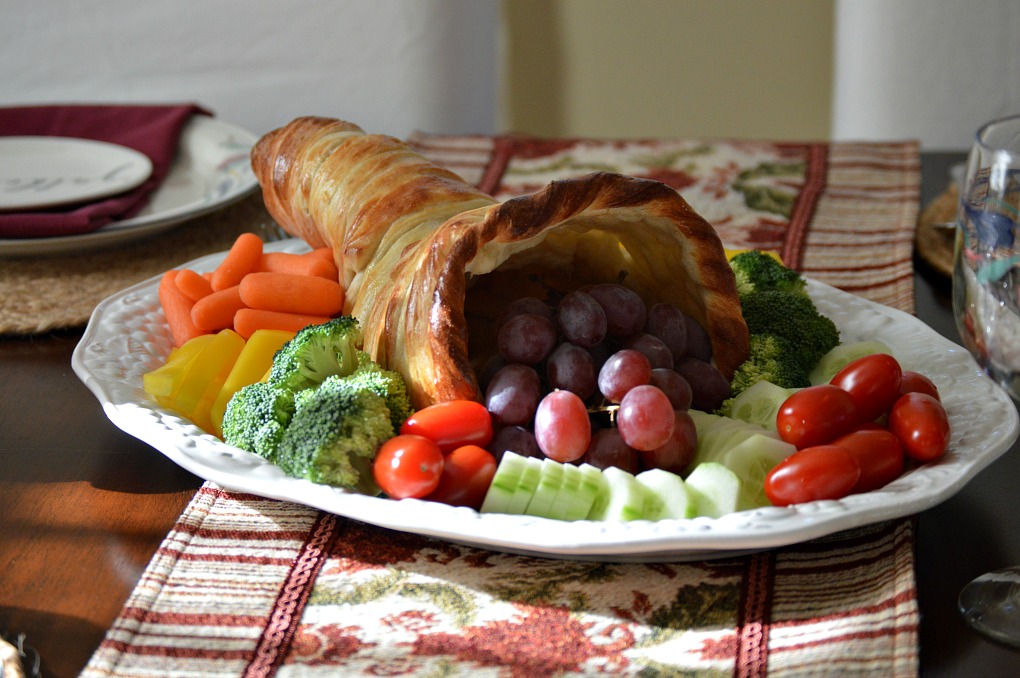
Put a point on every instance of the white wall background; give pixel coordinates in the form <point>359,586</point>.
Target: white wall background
<point>924,69</point>
<point>391,66</point>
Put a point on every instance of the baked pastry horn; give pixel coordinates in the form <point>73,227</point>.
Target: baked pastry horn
<point>429,262</point>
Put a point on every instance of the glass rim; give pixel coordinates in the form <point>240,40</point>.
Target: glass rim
<point>985,128</point>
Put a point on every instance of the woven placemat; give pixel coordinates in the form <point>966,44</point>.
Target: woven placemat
<point>934,238</point>
<point>43,293</point>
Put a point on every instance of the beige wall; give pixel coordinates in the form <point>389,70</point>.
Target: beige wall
<point>605,68</point>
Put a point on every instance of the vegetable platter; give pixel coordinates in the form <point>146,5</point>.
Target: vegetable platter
<point>128,336</point>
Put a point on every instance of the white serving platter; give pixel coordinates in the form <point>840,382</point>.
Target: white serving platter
<point>127,337</point>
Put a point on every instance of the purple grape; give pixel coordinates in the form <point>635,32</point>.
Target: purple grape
<point>674,386</point>
<point>527,339</point>
<point>513,395</point>
<point>623,371</point>
<point>514,439</point>
<point>651,347</point>
<point>571,368</point>
<point>669,324</point>
<point>625,310</point>
<point>677,452</point>
<point>608,449</point>
<point>699,345</point>
<point>708,385</point>
<point>581,319</point>
<point>526,305</point>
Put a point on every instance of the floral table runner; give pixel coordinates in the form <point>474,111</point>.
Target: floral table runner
<point>247,586</point>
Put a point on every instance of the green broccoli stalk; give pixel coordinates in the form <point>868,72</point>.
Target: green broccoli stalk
<point>334,435</point>
<point>256,418</point>
<point>756,271</point>
<point>317,352</point>
<point>770,358</point>
<point>387,383</point>
<point>791,316</point>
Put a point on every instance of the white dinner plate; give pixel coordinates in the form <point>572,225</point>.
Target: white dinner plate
<point>212,169</point>
<point>38,172</point>
<point>127,336</point>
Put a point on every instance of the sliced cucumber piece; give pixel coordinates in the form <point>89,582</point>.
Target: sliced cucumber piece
<point>668,496</point>
<point>841,356</point>
<point>570,502</point>
<point>714,488</point>
<point>751,461</point>
<point>549,482</point>
<point>722,436</point>
<point>527,483</point>
<point>624,501</point>
<point>504,483</point>
<point>593,484</point>
<point>759,403</point>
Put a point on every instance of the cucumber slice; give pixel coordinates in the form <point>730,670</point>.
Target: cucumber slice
<point>751,461</point>
<point>841,356</point>
<point>527,483</point>
<point>723,435</point>
<point>714,488</point>
<point>593,484</point>
<point>571,503</point>
<point>668,496</point>
<point>504,483</point>
<point>624,501</point>
<point>549,482</point>
<point>759,403</point>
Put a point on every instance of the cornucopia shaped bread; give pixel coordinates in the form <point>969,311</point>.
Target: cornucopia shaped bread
<point>429,262</point>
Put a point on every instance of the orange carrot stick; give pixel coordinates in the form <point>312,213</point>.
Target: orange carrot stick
<point>215,311</point>
<point>177,309</point>
<point>288,293</point>
<point>241,259</point>
<point>298,264</point>
<point>248,320</point>
<point>192,284</point>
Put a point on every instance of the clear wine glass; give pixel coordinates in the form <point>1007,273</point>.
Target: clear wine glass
<point>986,285</point>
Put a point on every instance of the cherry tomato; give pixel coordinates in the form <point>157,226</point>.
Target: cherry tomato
<point>820,472</point>
<point>922,425</point>
<point>879,453</point>
<point>408,466</point>
<point>467,474</point>
<point>873,382</point>
<point>452,424</point>
<point>816,415</point>
<point>914,382</point>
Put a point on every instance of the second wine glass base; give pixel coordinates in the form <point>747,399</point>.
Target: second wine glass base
<point>990,604</point>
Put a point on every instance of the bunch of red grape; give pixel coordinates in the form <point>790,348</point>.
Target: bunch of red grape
<point>600,378</point>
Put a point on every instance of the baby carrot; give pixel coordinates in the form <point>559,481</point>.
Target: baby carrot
<point>215,311</point>
<point>299,264</point>
<point>242,258</point>
<point>177,309</point>
<point>248,320</point>
<point>193,285</point>
<point>288,293</point>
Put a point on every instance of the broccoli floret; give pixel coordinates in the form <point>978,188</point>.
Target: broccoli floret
<point>791,316</point>
<point>756,271</point>
<point>315,353</point>
<point>770,358</point>
<point>256,418</point>
<point>335,432</point>
<point>387,383</point>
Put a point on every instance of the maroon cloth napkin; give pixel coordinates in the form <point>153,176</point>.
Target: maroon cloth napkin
<point>152,130</point>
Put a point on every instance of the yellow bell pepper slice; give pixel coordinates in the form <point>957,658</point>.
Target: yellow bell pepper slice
<point>205,377</point>
<point>163,382</point>
<point>254,361</point>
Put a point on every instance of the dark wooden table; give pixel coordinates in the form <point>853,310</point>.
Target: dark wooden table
<point>83,507</point>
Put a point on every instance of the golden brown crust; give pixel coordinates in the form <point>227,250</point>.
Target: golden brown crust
<point>417,246</point>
